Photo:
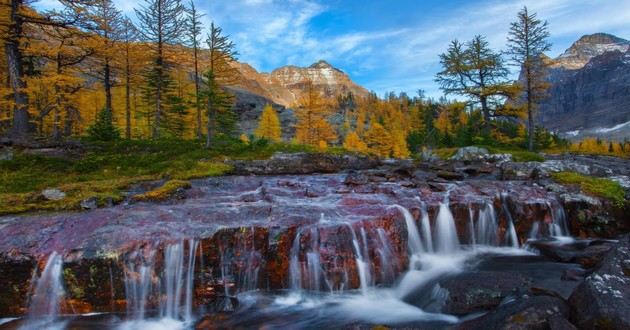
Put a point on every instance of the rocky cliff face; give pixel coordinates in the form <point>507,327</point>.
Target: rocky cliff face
<point>590,93</point>
<point>283,88</point>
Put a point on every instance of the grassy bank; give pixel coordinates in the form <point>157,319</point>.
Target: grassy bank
<point>104,170</point>
<point>601,187</point>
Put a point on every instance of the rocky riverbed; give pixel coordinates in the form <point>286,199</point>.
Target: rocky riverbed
<point>473,242</point>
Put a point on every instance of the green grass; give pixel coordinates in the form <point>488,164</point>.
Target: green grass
<point>105,170</point>
<point>601,187</point>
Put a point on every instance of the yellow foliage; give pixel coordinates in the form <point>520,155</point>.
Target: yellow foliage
<point>378,140</point>
<point>311,115</point>
<point>603,147</point>
<point>269,125</point>
<point>399,145</point>
<point>244,139</point>
<point>353,142</point>
<point>322,145</point>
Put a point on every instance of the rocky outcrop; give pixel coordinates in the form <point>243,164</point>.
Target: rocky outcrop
<point>602,301</point>
<point>303,163</point>
<point>590,92</point>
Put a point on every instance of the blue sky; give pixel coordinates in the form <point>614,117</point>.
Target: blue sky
<point>389,45</point>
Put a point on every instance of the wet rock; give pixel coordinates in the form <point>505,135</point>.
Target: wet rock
<point>303,163</point>
<point>429,156</point>
<point>602,301</point>
<point>522,171</point>
<point>471,153</point>
<point>223,304</point>
<point>450,175</point>
<point>6,154</point>
<point>89,203</point>
<point>480,290</point>
<point>53,194</point>
<point>583,253</point>
<point>527,312</point>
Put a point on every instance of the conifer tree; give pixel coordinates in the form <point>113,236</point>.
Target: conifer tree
<point>353,142</point>
<point>378,140</point>
<point>103,128</point>
<point>269,125</point>
<point>129,35</point>
<point>219,102</point>
<point>312,112</point>
<point>527,43</point>
<point>160,24</point>
<point>476,71</point>
<point>193,28</point>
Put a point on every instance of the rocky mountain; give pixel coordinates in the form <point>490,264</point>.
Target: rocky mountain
<point>590,93</point>
<point>283,88</point>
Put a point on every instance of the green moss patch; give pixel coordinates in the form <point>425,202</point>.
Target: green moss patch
<point>601,187</point>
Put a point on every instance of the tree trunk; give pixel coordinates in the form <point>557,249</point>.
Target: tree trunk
<point>210,124</point>
<point>20,126</point>
<point>107,83</point>
<point>486,112</point>
<point>198,105</point>
<point>127,102</point>
<point>530,114</point>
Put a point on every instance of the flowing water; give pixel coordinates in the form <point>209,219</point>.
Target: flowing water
<point>356,277</point>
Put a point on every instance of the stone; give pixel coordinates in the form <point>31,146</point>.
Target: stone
<point>527,312</point>
<point>303,163</point>
<point>602,301</point>
<point>471,153</point>
<point>6,154</point>
<point>89,203</point>
<point>53,194</point>
<point>522,171</point>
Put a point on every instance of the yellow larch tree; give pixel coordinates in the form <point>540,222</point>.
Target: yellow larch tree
<point>378,140</point>
<point>311,113</point>
<point>269,125</point>
<point>353,142</point>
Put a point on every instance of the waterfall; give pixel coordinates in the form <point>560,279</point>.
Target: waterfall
<point>558,227</point>
<point>413,236</point>
<point>487,226</point>
<point>534,232</point>
<point>295,273</point>
<point>426,229</point>
<point>471,226</point>
<point>44,303</point>
<point>363,266</point>
<point>511,230</point>
<point>388,263</point>
<point>175,288</point>
<point>138,285</point>
<point>172,279</point>
<point>190,279</point>
<point>445,231</point>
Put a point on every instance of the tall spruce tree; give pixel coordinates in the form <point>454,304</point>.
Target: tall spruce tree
<point>222,52</point>
<point>193,28</point>
<point>528,40</point>
<point>161,24</point>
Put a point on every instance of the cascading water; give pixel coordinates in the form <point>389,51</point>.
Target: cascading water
<point>426,228</point>
<point>48,291</point>
<point>173,288</point>
<point>511,236</point>
<point>446,240</point>
<point>558,226</point>
<point>413,235</point>
<point>487,227</point>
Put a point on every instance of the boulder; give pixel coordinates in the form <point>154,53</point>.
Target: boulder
<point>522,171</point>
<point>89,203</point>
<point>471,153</point>
<point>526,312</point>
<point>602,301</point>
<point>53,194</point>
<point>6,154</point>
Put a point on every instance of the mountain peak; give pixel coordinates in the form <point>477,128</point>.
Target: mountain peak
<point>600,38</point>
<point>589,46</point>
<point>321,64</point>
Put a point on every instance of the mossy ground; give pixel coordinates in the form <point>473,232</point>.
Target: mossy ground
<point>601,187</point>
<point>165,191</point>
<point>105,170</point>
